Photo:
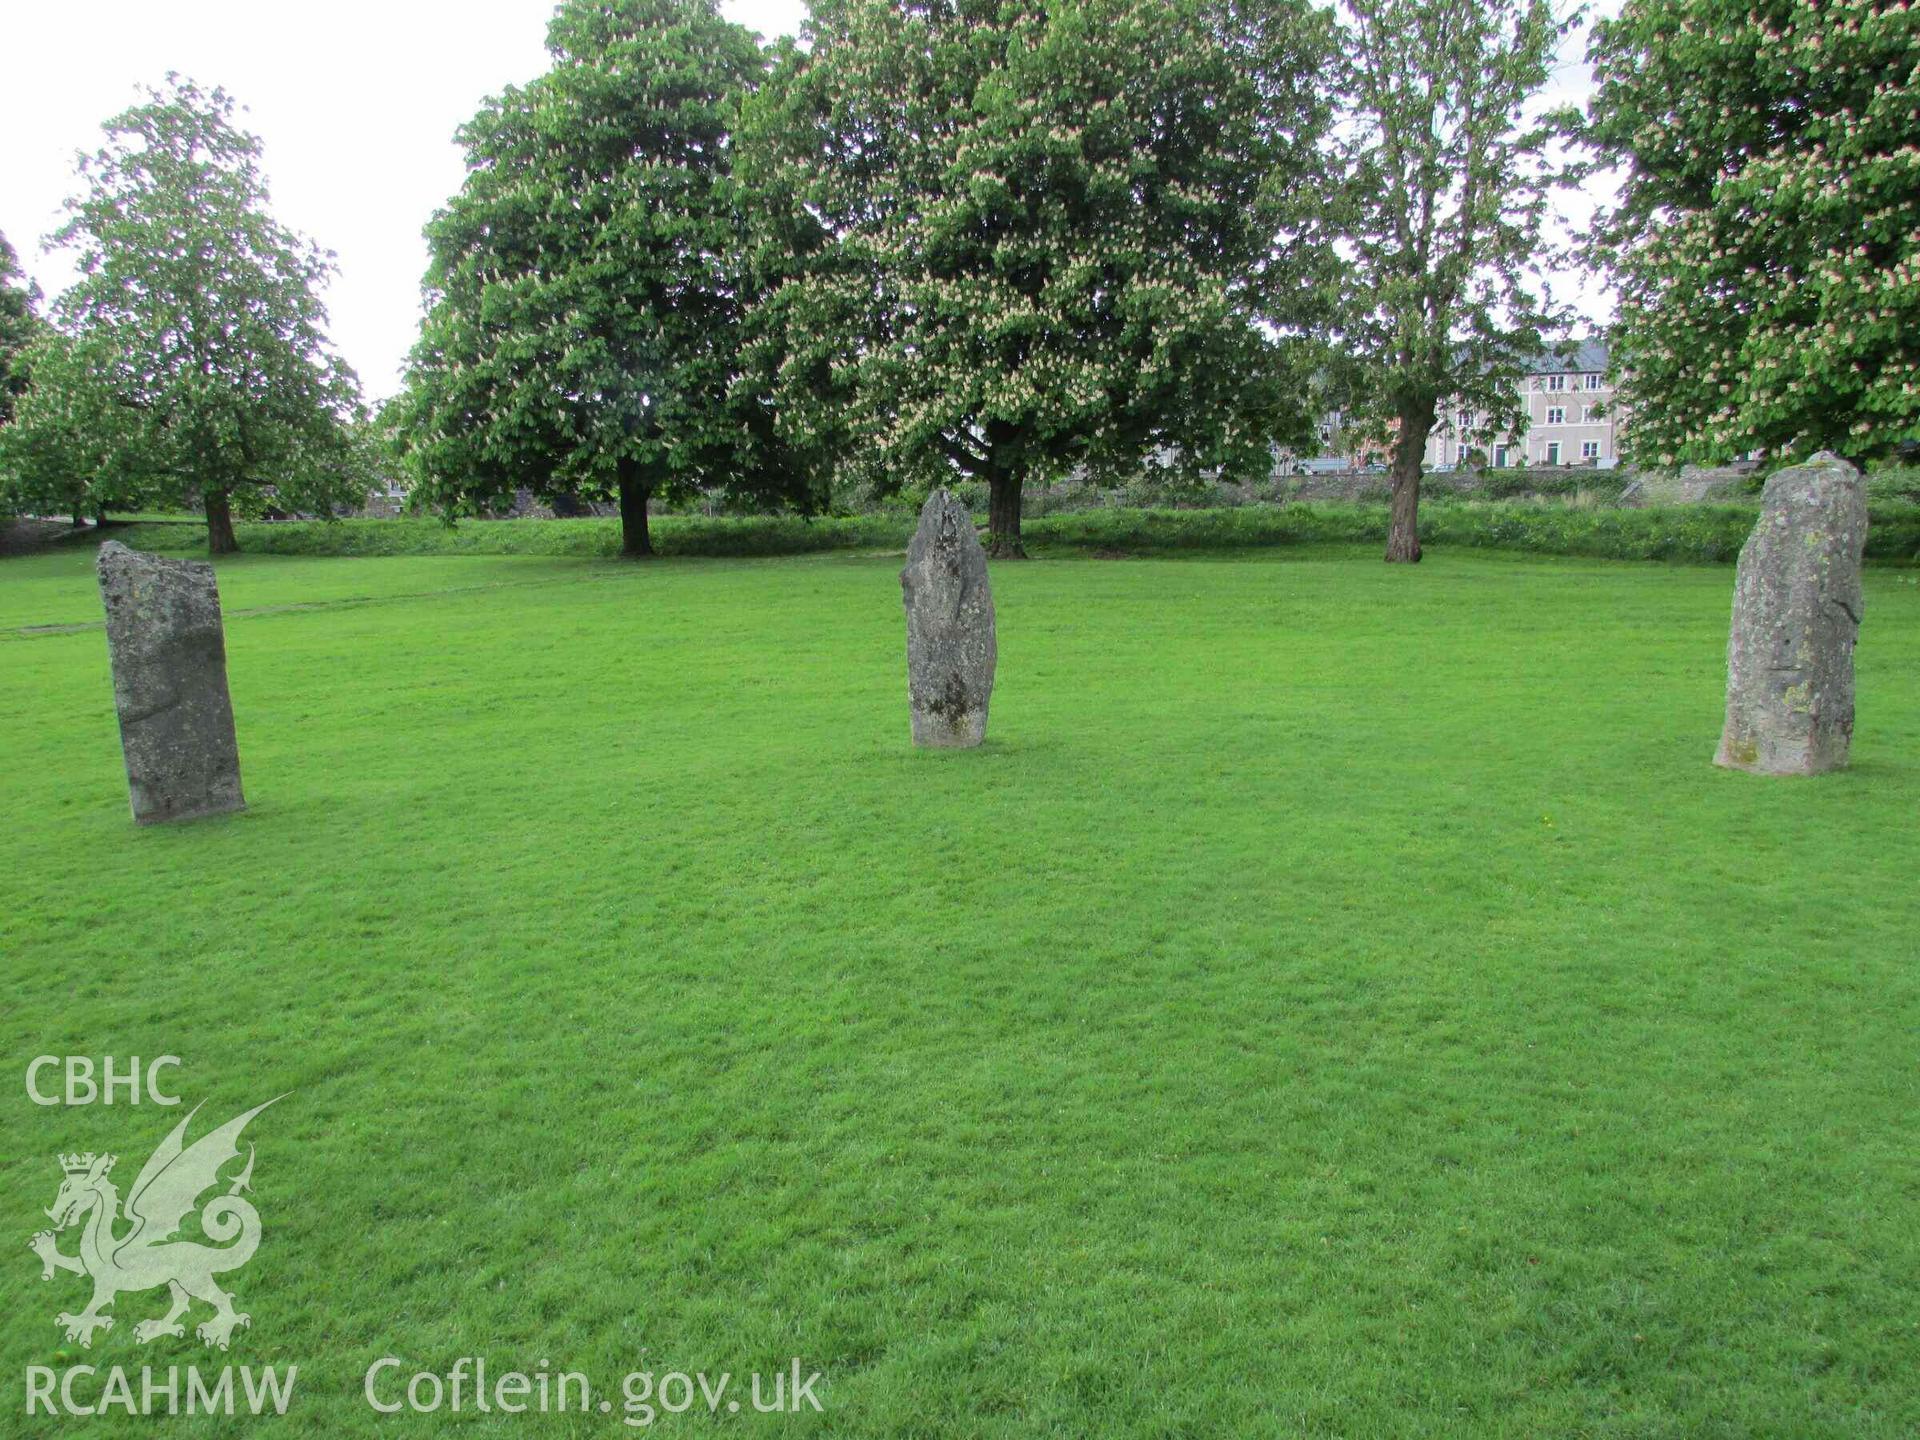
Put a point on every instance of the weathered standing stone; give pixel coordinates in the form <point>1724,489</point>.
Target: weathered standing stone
<point>1796,615</point>
<point>950,638</point>
<point>170,685</point>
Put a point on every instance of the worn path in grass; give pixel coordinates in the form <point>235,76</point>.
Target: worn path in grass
<point>1339,1000</point>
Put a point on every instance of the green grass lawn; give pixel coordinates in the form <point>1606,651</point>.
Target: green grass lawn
<point>1339,999</point>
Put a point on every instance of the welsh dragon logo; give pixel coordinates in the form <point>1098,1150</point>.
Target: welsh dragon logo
<point>147,1255</point>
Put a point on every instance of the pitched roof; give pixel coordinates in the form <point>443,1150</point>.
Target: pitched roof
<point>1577,355</point>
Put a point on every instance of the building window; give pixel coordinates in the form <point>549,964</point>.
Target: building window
<point>1466,422</point>
<point>1591,415</point>
<point>1553,452</point>
<point>1556,415</point>
<point>1556,382</point>
<point>1593,382</point>
<point>1589,449</point>
<point>1500,457</point>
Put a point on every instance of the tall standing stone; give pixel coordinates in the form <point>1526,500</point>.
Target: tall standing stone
<point>1796,614</point>
<point>951,649</point>
<point>170,685</point>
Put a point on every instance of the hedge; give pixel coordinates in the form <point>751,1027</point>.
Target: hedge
<point>1700,534</point>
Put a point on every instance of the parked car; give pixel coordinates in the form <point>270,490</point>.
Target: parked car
<point>1319,465</point>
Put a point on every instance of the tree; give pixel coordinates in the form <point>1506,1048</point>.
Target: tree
<point>71,448</point>
<point>1444,178</point>
<point>1036,236</point>
<point>19,325</point>
<point>197,312</point>
<point>587,283</point>
<point>1767,239</point>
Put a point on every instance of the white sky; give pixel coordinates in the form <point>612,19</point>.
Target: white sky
<point>356,104</point>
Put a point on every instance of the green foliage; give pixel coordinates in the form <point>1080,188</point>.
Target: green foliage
<point>1767,244</point>
<point>1604,485</point>
<point>588,281</point>
<point>18,327</point>
<point>1894,482</point>
<point>1441,198</point>
<point>71,449</point>
<point>672,535</point>
<point>1696,534</point>
<point>1700,534</point>
<point>1030,237</point>
<point>196,315</point>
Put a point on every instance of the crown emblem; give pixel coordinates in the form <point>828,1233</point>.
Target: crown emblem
<point>81,1164</point>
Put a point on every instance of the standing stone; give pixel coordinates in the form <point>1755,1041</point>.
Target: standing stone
<point>170,685</point>
<point>1796,615</point>
<point>950,639</point>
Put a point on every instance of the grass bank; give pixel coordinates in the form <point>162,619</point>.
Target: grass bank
<point>1707,534</point>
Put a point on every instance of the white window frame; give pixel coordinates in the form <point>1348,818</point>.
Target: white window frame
<point>1589,449</point>
<point>1593,382</point>
<point>1556,383</point>
<point>1556,415</point>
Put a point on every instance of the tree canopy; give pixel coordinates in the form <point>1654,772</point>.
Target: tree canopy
<point>72,448</point>
<point>1034,236</point>
<point>587,284</point>
<point>19,324</point>
<point>196,319</point>
<point>1767,242</point>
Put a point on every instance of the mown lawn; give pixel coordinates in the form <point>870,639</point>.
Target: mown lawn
<point>1339,1000</point>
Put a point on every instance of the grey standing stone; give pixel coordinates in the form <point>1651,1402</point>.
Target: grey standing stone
<point>951,649</point>
<point>170,685</point>
<point>1796,614</point>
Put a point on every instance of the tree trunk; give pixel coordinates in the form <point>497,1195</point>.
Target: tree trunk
<point>220,537</point>
<point>79,521</point>
<point>635,542</point>
<point>1409,449</point>
<point>1003,517</point>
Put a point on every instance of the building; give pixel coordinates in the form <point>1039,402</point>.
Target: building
<point>1572,419</point>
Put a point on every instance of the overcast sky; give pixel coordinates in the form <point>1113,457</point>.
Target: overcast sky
<point>356,102</point>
